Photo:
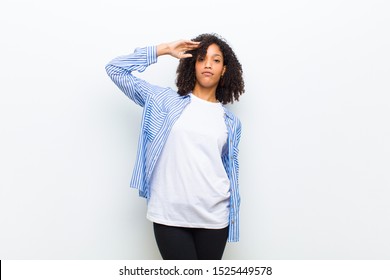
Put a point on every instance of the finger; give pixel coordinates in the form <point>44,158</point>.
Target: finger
<point>184,55</point>
<point>189,48</point>
<point>191,44</point>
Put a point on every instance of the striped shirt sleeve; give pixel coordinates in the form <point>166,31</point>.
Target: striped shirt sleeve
<point>120,71</point>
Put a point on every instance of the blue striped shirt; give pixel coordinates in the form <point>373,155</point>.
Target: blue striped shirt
<point>162,106</point>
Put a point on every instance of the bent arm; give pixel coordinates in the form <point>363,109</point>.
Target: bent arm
<point>120,71</point>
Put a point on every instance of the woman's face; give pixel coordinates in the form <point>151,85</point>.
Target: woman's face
<point>210,68</point>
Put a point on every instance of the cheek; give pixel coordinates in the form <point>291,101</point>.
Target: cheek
<point>220,70</point>
<point>197,69</point>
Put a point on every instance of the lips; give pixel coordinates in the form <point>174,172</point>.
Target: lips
<point>207,74</point>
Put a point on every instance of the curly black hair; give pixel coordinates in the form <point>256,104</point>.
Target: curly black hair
<point>230,86</point>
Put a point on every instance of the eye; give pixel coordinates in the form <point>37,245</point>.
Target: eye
<point>217,60</point>
<point>200,58</point>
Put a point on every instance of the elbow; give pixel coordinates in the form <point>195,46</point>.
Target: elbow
<point>112,71</point>
<point>108,68</point>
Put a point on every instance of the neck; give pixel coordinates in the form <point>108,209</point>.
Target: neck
<point>205,94</point>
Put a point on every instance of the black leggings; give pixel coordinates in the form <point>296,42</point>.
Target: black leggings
<point>180,243</point>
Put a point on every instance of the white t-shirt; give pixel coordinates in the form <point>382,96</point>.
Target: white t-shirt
<point>189,185</point>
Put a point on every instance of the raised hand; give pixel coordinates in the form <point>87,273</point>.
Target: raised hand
<point>177,48</point>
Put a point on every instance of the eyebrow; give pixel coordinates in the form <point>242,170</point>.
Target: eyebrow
<point>213,55</point>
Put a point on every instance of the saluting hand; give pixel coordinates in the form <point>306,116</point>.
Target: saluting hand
<point>177,48</point>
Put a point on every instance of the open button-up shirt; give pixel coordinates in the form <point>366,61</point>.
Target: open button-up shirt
<point>162,106</point>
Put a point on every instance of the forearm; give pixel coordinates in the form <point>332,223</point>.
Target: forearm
<point>139,60</point>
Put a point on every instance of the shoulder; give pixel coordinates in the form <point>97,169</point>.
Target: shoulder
<point>166,98</point>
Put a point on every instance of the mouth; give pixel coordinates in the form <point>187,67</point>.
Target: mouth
<point>207,74</point>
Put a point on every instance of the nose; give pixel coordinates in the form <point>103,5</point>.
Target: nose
<point>207,63</point>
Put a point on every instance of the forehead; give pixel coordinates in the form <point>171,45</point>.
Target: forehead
<point>214,49</point>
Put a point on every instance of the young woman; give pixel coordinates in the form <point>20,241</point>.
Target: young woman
<point>187,160</point>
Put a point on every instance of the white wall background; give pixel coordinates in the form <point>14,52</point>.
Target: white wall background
<point>315,153</point>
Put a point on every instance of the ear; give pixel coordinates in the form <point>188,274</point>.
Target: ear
<point>223,70</point>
